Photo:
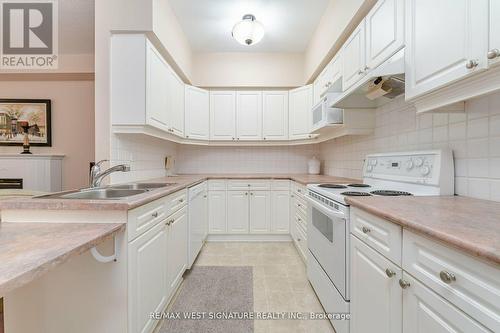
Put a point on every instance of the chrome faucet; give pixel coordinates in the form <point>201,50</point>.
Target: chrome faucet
<point>96,175</point>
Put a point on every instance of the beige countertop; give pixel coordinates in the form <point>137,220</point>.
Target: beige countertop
<point>28,250</point>
<point>471,225</point>
<point>181,182</point>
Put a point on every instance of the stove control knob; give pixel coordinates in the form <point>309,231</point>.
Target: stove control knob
<point>409,165</point>
<point>425,170</point>
<point>419,162</point>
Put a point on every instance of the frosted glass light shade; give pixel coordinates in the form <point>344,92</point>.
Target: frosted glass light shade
<point>248,31</point>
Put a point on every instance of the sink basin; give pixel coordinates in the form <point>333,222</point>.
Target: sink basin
<point>141,186</point>
<point>96,194</point>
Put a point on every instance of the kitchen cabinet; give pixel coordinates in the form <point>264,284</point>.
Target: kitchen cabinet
<point>431,63</point>
<point>177,251</point>
<point>198,220</point>
<point>384,31</point>
<point>217,221</point>
<point>376,297</point>
<point>248,115</point>
<point>223,115</point>
<point>176,111</point>
<point>237,212</point>
<point>157,90</point>
<point>275,115</point>
<point>354,57</point>
<point>300,105</point>
<point>197,113</point>
<point>280,211</point>
<point>425,311</point>
<point>148,283</point>
<point>494,35</point>
<point>329,80</point>
<point>260,212</point>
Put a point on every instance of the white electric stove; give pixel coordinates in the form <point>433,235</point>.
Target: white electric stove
<point>391,174</point>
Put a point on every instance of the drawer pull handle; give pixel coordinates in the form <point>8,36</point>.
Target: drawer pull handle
<point>155,214</point>
<point>390,273</point>
<point>170,222</point>
<point>365,230</point>
<point>298,239</point>
<point>299,205</point>
<point>181,200</point>
<point>404,284</point>
<point>447,277</point>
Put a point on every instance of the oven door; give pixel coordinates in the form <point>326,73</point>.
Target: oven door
<point>326,239</point>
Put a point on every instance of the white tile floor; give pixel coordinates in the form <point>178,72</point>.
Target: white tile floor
<point>280,282</point>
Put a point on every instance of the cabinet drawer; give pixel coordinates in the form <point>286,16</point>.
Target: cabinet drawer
<point>176,201</point>
<point>470,284</point>
<point>280,185</point>
<point>301,243</point>
<point>145,217</point>
<point>382,235</point>
<point>217,185</point>
<point>301,206</point>
<point>299,189</point>
<point>243,185</point>
<point>301,224</point>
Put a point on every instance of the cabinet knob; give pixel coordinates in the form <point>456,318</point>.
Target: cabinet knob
<point>365,230</point>
<point>404,284</point>
<point>246,193</point>
<point>298,239</point>
<point>299,205</point>
<point>233,138</point>
<point>187,136</point>
<point>447,277</point>
<point>181,200</point>
<point>251,193</point>
<point>360,72</point>
<point>471,64</point>
<point>492,54</point>
<point>390,273</point>
<point>155,214</point>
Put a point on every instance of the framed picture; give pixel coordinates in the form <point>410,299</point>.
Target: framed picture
<point>20,115</point>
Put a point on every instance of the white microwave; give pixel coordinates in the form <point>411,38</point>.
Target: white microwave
<point>322,115</point>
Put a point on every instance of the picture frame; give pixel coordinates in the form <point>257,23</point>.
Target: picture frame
<point>18,114</point>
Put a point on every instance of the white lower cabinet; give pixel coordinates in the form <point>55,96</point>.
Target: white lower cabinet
<point>260,212</point>
<point>177,253</point>
<point>425,312</point>
<point>280,212</point>
<point>375,291</point>
<point>217,212</point>
<point>237,212</point>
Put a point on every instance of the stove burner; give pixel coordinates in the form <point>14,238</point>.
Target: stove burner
<point>390,193</point>
<point>356,194</point>
<point>359,185</point>
<point>332,186</point>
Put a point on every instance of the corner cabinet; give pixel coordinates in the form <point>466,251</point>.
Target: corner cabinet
<point>300,106</point>
<point>432,63</point>
<point>197,113</point>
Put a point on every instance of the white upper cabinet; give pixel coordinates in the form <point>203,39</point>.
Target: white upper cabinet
<point>354,61</point>
<point>157,87</point>
<point>223,115</point>
<point>248,115</point>
<point>445,41</point>
<point>275,115</point>
<point>300,106</point>
<point>384,31</point>
<point>494,43</point>
<point>176,112</point>
<point>329,79</point>
<point>197,113</point>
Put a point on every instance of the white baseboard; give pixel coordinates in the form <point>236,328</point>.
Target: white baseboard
<point>249,238</point>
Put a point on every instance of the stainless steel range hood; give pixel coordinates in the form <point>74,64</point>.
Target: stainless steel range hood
<point>378,87</point>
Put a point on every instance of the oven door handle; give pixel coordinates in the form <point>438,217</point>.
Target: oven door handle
<point>324,210</point>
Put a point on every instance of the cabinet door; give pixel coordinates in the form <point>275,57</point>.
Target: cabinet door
<point>384,31</point>
<point>494,43</point>
<point>248,115</point>
<point>157,85</point>
<point>332,76</point>
<point>424,311</point>
<point>280,212</point>
<point>197,113</point>
<point>260,212</point>
<point>217,212</point>
<point>222,115</point>
<point>444,42</point>
<point>293,209</point>
<point>237,212</point>
<point>353,53</point>
<point>147,273</point>
<point>376,297</point>
<point>317,89</point>
<point>177,248</point>
<point>300,120</point>
<point>177,104</point>
<point>275,115</point>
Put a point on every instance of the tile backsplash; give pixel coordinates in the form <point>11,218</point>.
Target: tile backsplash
<point>474,137</point>
<point>201,159</point>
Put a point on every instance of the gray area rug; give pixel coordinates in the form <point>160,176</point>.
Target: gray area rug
<point>212,290</point>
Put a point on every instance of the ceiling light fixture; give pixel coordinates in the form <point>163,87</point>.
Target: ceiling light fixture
<point>248,31</point>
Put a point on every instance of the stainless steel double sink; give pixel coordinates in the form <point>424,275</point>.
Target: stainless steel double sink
<point>121,191</point>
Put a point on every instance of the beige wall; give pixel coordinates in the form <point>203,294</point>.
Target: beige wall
<point>72,123</point>
<point>233,69</point>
